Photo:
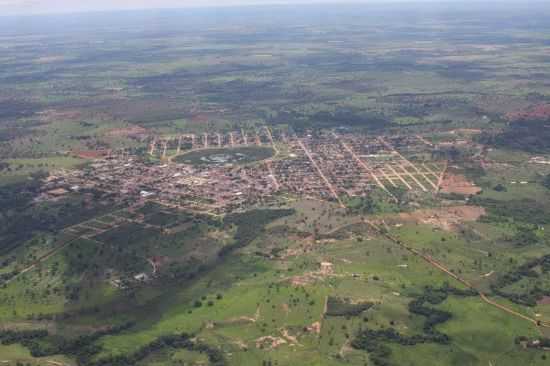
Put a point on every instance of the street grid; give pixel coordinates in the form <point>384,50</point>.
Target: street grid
<point>327,166</point>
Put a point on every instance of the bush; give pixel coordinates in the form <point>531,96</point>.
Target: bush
<point>373,341</point>
<point>531,297</point>
<point>250,225</point>
<point>343,307</point>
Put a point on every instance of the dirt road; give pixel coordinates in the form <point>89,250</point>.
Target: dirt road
<point>439,266</point>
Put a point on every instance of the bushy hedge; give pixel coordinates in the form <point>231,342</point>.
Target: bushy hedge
<point>523,211</point>
<point>40,343</point>
<point>8,337</point>
<point>373,341</point>
<point>180,341</point>
<point>342,307</point>
<point>526,270</point>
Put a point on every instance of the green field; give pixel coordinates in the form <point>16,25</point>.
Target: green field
<point>99,274</point>
<point>241,155</point>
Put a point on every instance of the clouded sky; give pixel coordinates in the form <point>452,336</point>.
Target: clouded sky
<point>23,7</point>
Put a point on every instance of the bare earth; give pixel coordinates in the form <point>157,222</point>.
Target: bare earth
<point>447,218</point>
<point>453,183</point>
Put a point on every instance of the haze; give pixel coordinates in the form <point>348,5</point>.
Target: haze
<point>28,7</point>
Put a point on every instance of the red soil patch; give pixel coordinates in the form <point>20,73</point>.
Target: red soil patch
<point>536,112</point>
<point>453,183</point>
<point>269,342</point>
<point>544,301</point>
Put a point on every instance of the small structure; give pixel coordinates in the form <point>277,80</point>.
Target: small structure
<point>141,277</point>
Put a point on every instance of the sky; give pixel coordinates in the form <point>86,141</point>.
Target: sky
<point>28,7</point>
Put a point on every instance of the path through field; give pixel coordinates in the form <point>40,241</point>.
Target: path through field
<point>434,263</point>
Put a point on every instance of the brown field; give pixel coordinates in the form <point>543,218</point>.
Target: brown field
<point>454,183</point>
<point>448,218</point>
<point>534,112</point>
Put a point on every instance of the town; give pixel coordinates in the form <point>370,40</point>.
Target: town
<point>328,166</point>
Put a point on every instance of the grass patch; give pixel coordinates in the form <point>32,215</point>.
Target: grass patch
<point>241,155</point>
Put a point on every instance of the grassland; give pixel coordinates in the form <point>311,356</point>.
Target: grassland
<point>241,155</point>
<point>260,309</point>
<point>295,281</point>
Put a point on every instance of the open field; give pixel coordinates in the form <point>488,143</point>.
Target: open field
<point>226,156</point>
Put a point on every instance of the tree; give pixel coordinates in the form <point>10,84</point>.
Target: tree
<point>500,188</point>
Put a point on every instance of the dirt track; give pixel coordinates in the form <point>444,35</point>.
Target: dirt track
<point>434,263</point>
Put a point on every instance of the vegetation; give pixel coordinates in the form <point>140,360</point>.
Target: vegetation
<point>250,225</point>
<point>343,307</point>
<point>241,155</point>
<point>521,211</point>
<point>20,219</point>
<point>546,181</point>
<point>180,341</point>
<point>526,270</point>
<point>525,135</point>
<point>41,344</point>
<point>94,276</point>
<point>373,341</point>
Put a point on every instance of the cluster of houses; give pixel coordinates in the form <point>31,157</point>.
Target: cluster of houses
<point>325,166</point>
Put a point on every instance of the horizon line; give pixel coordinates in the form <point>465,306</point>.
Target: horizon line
<point>274,3</point>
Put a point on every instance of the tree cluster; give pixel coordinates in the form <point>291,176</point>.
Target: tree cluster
<point>250,225</point>
<point>180,341</point>
<point>343,307</point>
<point>534,294</point>
<point>41,344</point>
<point>373,341</point>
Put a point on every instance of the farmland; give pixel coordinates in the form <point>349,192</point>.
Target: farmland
<point>315,185</point>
